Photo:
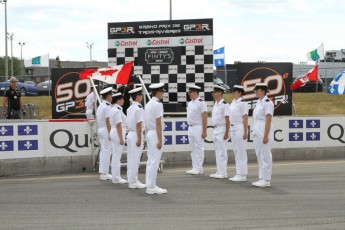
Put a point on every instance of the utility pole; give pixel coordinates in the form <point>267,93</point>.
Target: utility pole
<point>90,45</point>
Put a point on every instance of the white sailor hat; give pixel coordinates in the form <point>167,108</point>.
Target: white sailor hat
<point>218,88</point>
<point>157,86</point>
<point>239,88</point>
<point>136,91</point>
<point>261,86</point>
<point>107,90</point>
<point>193,87</point>
<point>117,95</point>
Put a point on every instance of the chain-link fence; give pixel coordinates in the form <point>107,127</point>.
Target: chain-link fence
<point>32,112</point>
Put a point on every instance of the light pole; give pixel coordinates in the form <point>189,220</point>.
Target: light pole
<point>10,37</point>
<point>90,45</point>
<point>21,56</point>
<point>6,57</point>
<point>170,9</point>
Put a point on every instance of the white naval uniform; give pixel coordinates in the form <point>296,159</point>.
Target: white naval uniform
<point>90,105</point>
<point>117,116</point>
<point>103,112</point>
<point>263,151</point>
<point>237,110</point>
<point>219,113</point>
<point>135,114</point>
<point>153,110</point>
<point>196,142</point>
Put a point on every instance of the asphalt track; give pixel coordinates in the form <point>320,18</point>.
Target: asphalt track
<point>304,195</point>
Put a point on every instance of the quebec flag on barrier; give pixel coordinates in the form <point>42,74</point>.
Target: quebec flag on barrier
<point>219,57</point>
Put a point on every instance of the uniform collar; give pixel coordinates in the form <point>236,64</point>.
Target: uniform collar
<point>220,102</point>
<point>135,102</point>
<point>197,99</point>
<point>264,98</point>
<point>106,102</point>
<point>155,98</point>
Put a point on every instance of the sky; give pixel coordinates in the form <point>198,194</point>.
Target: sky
<point>250,30</point>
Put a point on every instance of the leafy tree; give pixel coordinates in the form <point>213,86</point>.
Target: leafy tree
<point>17,66</point>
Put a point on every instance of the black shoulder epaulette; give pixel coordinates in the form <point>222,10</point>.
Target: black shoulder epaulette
<point>119,108</point>
<point>267,100</point>
<point>224,102</point>
<point>159,101</point>
<point>200,99</point>
<point>140,106</point>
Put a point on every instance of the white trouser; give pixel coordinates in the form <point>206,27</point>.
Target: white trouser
<point>263,151</point>
<point>105,154</point>
<point>239,148</point>
<point>133,157</point>
<point>196,145</point>
<point>220,148</point>
<point>117,153</point>
<point>89,114</point>
<point>153,157</point>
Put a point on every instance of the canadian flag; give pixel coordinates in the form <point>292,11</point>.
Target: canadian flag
<point>112,75</point>
<point>311,76</point>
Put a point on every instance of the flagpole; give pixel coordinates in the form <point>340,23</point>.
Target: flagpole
<point>49,85</point>
<point>144,87</point>
<point>316,85</point>
<point>226,72</point>
<point>95,91</point>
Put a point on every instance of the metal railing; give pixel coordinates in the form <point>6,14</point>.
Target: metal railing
<point>32,112</point>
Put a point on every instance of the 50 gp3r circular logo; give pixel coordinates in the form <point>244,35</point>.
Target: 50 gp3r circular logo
<point>70,93</point>
<point>273,79</point>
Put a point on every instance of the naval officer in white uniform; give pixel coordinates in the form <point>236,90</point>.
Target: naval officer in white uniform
<point>197,125</point>
<point>238,113</point>
<point>154,125</point>
<point>221,123</point>
<point>263,134</point>
<point>135,124</point>
<point>103,114</point>
<point>90,104</point>
<point>117,137</point>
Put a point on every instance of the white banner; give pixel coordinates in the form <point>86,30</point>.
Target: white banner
<point>160,42</point>
<point>28,139</point>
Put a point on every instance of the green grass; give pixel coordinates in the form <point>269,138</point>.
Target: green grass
<point>305,104</point>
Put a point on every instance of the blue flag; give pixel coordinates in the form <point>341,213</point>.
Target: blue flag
<point>219,56</point>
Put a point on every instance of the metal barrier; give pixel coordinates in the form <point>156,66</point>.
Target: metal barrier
<point>32,112</point>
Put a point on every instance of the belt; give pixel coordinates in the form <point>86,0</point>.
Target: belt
<point>193,125</point>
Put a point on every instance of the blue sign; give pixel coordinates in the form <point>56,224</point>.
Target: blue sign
<point>314,124</point>
<point>313,136</point>
<point>26,145</point>
<point>182,139</point>
<point>181,125</point>
<point>167,126</point>
<point>295,124</point>
<point>167,140</point>
<point>26,130</point>
<point>6,130</point>
<point>297,136</point>
<point>6,146</point>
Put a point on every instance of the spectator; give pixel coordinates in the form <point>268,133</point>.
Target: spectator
<point>12,102</point>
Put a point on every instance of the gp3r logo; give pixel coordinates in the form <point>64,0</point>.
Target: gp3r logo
<point>70,93</point>
<point>122,30</point>
<point>196,27</point>
<point>275,81</point>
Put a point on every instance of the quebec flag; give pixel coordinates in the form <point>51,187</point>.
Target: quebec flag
<point>337,86</point>
<point>219,57</point>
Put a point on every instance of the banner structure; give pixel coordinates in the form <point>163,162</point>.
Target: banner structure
<point>68,92</point>
<point>175,52</point>
<point>277,76</point>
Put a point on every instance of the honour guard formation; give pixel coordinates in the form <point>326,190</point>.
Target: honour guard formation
<point>146,126</point>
